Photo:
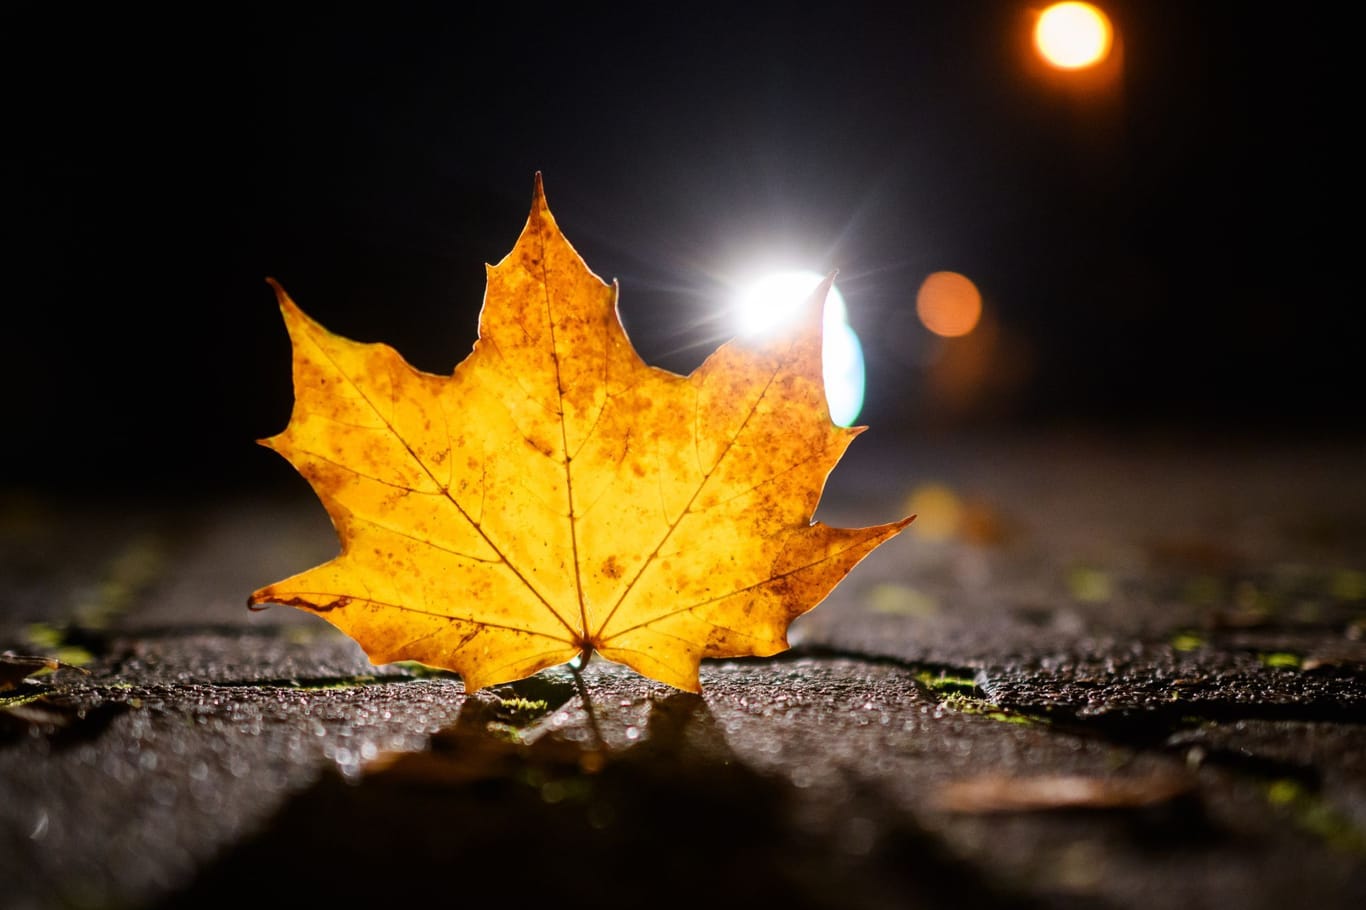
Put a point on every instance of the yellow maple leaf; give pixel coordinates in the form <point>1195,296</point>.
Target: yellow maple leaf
<point>555,496</point>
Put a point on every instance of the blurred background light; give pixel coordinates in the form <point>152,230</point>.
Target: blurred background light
<point>937,509</point>
<point>948,304</point>
<point>845,376</point>
<point>771,303</point>
<point>1072,35</point>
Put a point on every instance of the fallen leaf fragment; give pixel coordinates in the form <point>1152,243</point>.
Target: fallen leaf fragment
<point>992,793</point>
<point>555,496</point>
<point>15,668</point>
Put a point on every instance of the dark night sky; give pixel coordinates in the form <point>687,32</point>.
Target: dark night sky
<point>1169,250</point>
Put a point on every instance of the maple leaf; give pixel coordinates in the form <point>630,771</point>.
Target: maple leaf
<point>555,496</point>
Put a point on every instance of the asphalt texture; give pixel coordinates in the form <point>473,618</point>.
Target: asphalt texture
<point>1094,673</point>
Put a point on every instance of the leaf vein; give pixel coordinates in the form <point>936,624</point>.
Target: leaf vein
<point>408,608</point>
<point>673,525</point>
<point>413,454</point>
<point>711,600</point>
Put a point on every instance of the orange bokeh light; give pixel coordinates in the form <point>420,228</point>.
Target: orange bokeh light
<point>1073,36</point>
<point>949,304</point>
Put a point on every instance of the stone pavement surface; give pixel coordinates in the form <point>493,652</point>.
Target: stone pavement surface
<point>1095,674</point>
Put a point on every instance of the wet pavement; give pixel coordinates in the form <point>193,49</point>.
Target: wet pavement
<point>1093,674</point>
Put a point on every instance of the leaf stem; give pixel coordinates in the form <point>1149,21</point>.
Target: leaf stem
<point>576,667</point>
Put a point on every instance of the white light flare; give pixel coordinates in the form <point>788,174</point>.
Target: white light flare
<point>772,302</point>
<point>1073,35</point>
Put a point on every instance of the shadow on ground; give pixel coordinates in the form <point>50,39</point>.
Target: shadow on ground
<point>555,822</point>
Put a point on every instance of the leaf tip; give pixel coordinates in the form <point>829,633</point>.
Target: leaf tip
<point>538,195</point>
<point>809,325</point>
<point>823,289</point>
<point>287,304</point>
